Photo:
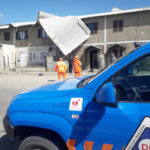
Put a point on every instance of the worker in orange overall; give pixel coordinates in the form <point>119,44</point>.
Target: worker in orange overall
<point>61,68</point>
<point>77,66</point>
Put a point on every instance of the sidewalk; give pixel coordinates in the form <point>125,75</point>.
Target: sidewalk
<point>69,75</point>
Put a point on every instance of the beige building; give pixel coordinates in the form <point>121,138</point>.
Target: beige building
<point>112,35</point>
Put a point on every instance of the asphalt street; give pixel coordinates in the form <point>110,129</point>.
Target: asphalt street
<point>12,84</point>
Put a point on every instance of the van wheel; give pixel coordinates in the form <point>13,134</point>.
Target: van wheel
<point>37,143</point>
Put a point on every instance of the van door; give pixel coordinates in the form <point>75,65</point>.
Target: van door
<point>109,128</point>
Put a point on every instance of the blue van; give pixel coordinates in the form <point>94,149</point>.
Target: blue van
<point>96,112</point>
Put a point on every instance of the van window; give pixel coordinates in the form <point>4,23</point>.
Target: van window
<point>132,83</point>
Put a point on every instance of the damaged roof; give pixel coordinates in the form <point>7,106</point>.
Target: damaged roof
<point>66,32</point>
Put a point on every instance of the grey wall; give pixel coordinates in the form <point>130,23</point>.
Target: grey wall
<point>32,40</point>
<point>136,27</point>
<point>1,60</point>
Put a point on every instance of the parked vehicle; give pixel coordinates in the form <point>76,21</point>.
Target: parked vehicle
<point>103,111</point>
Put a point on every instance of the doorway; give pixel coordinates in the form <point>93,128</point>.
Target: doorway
<point>93,59</point>
<point>114,51</point>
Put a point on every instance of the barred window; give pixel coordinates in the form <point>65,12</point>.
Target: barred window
<point>43,55</point>
<point>42,33</point>
<point>32,56</point>
<point>7,36</point>
<point>118,25</point>
<point>93,27</point>
<point>21,35</point>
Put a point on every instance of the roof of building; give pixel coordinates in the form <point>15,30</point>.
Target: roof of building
<point>4,26</point>
<point>116,11</point>
<point>17,24</point>
<point>23,24</point>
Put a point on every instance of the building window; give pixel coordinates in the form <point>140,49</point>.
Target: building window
<point>7,36</point>
<point>21,35</point>
<point>93,27</point>
<point>42,33</point>
<point>32,56</point>
<point>118,25</point>
<point>43,56</point>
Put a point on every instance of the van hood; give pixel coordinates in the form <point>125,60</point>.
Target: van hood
<point>57,89</point>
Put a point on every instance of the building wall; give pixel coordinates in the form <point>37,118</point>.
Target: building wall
<point>136,26</point>
<point>99,36</point>
<point>1,59</point>
<point>33,39</point>
<point>24,48</point>
<point>2,31</point>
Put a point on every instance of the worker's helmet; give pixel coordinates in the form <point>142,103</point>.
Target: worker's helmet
<point>60,59</point>
<point>76,57</point>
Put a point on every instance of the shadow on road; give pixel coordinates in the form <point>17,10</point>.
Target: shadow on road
<point>7,144</point>
<point>51,80</point>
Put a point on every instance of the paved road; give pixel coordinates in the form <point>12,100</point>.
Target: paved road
<point>12,84</point>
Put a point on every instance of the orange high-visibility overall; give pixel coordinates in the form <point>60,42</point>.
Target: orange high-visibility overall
<point>61,68</point>
<point>77,67</point>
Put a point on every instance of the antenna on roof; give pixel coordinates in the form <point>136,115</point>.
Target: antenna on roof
<point>115,9</point>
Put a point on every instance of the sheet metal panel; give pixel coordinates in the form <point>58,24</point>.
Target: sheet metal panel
<point>66,32</point>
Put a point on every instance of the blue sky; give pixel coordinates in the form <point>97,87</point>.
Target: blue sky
<point>27,10</point>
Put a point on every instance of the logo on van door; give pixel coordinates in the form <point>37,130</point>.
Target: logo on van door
<point>141,138</point>
<point>144,144</point>
<point>76,104</point>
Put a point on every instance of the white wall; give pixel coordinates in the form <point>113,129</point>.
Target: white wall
<point>1,59</point>
<point>9,55</point>
<point>22,54</point>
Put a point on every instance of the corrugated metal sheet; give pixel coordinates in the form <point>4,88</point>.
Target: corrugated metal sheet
<point>116,12</point>
<point>66,32</point>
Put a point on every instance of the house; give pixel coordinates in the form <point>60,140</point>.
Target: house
<point>112,33</point>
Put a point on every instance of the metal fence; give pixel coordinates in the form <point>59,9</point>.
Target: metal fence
<point>23,63</point>
<point>28,64</point>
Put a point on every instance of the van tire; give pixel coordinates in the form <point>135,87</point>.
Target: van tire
<point>37,142</point>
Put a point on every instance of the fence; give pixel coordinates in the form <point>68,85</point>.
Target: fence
<point>24,63</point>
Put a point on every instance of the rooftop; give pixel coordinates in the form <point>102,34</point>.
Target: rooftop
<point>17,24</point>
<point>116,11</point>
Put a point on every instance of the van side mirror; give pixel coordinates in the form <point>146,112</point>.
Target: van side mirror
<point>106,95</point>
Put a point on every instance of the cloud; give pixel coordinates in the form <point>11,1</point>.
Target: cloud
<point>1,18</point>
<point>2,15</point>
